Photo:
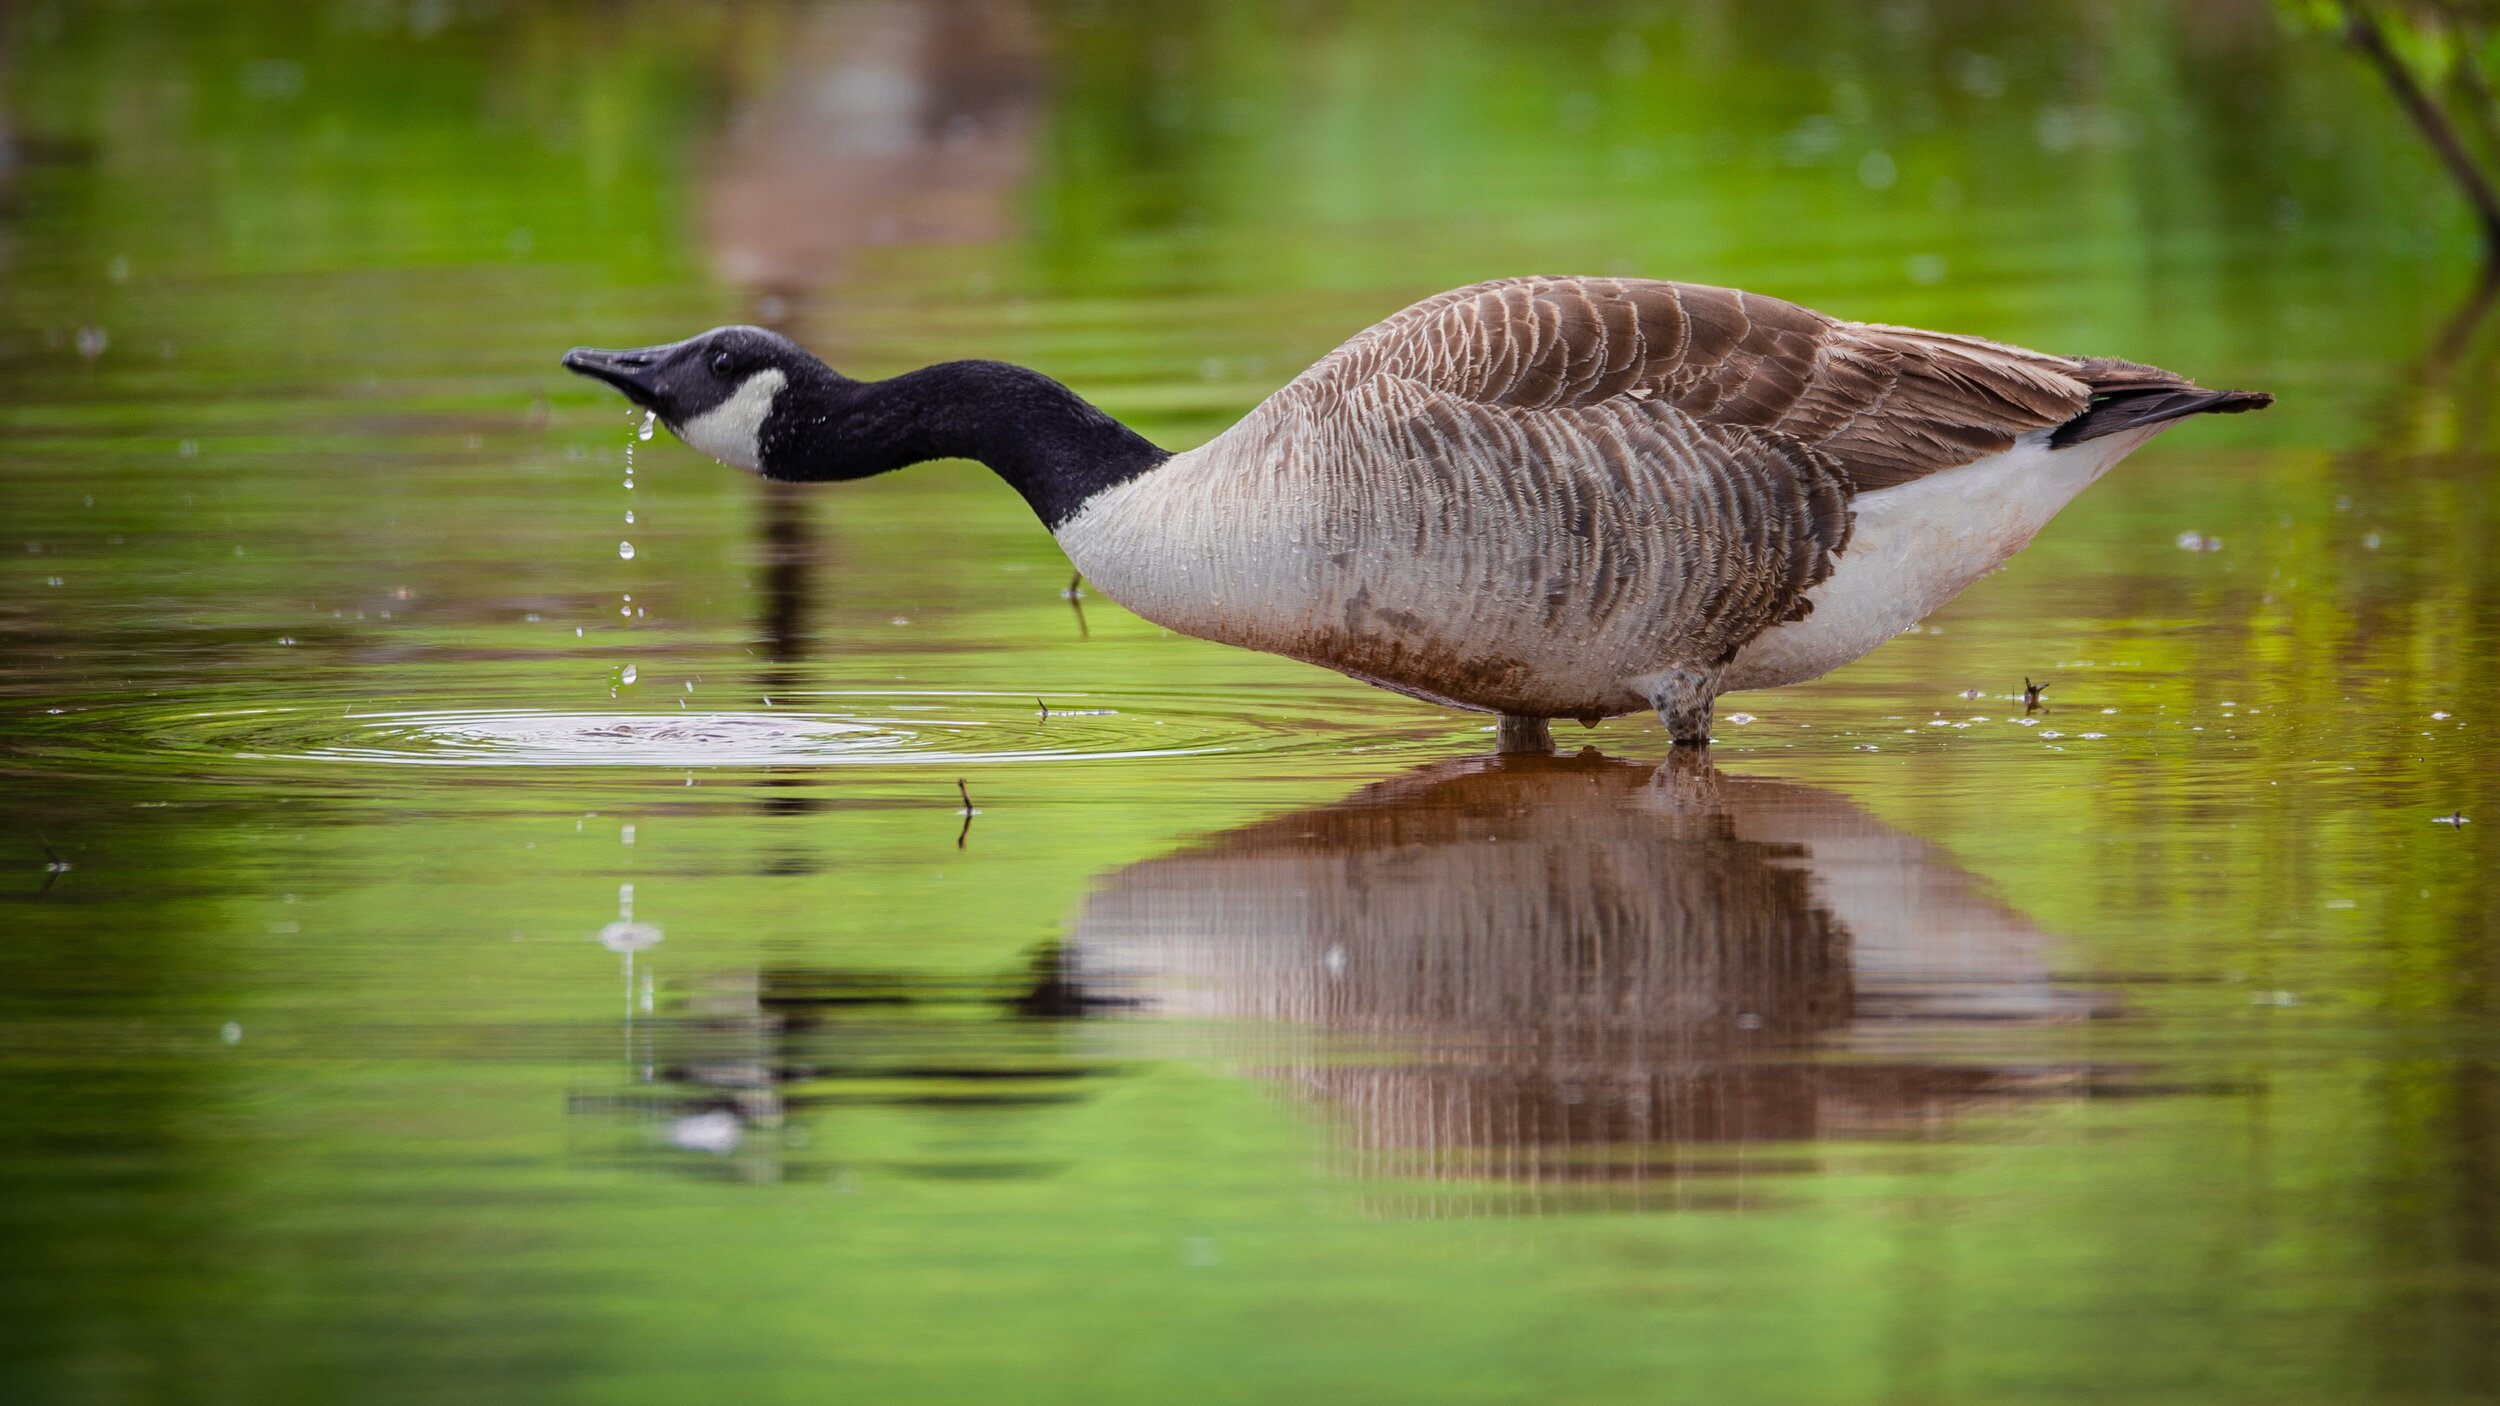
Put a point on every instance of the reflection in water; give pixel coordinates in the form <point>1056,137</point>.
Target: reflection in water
<point>886,125</point>
<point>761,1074</point>
<point>1578,964</point>
<point>883,124</point>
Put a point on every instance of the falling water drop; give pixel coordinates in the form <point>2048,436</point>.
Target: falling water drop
<point>649,418</point>
<point>630,674</point>
<point>629,517</point>
<point>625,550</point>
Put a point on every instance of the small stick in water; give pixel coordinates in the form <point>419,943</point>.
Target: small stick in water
<point>1074,595</point>
<point>968,812</point>
<point>54,866</point>
<point>2031,694</point>
<point>1045,712</point>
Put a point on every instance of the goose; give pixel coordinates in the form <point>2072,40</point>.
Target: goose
<point>1539,497</point>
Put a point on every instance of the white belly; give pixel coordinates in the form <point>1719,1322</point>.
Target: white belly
<point>1918,545</point>
<point>1228,548</point>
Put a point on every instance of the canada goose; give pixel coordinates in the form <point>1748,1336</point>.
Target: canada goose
<point>1535,497</point>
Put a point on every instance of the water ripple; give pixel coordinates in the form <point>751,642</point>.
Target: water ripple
<point>828,730</point>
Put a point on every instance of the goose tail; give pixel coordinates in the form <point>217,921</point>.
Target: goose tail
<point>2126,396</point>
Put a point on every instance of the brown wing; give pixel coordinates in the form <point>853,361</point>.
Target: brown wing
<point>1883,404</point>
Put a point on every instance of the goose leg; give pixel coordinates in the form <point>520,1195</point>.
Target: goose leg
<point>1521,734</point>
<point>1683,698</point>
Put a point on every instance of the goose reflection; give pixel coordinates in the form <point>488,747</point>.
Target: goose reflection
<point>1580,968</point>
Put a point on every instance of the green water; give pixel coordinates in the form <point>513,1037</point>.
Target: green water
<point>1252,1041</point>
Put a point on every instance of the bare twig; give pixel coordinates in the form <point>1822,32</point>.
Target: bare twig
<point>1074,595</point>
<point>2361,30</point>
<point>1044,707</point>
<point>968,812</point>
<point>2031,693</point>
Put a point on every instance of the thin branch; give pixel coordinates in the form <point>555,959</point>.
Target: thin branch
<point>2361,29</point>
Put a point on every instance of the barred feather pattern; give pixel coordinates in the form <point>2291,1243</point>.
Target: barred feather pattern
<point>1519,495</point>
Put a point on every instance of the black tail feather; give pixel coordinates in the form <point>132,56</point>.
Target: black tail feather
<point>2133,407</point>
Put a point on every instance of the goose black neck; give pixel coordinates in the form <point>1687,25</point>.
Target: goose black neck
<point>1045,440</point>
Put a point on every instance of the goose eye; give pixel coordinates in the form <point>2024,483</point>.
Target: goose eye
<point>720,363</point>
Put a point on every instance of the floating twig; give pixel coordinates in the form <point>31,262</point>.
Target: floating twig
<point>1044,707</point>
<point>968,812</point>
<point>1074,595</point>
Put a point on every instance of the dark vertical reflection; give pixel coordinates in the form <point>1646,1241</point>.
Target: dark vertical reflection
<point>882,124</point>
<point>1584,968</point>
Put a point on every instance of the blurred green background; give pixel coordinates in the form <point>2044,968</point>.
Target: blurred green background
<point>321,777</point>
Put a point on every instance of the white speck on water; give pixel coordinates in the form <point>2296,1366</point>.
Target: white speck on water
<point>91,342</point>
<point>625,550</point>
<point>2341,903</point>
<point>649,419</point>
<point>286,639</point>
<point>2273,998</point>
<point>1334,960</point>
<point>2051,732</point>
<point>625,834</point>
<point>2458,818</point>
<point>55,581</point>
<point>629,675</point>
<point>2369,541</point>
<point>2198,542</point>
<point>625,935</point>
<point>231,1032</point>
<point>2439,717</point>
<point>689,686</point>
<point>717,1132</point>
<point>188,449</point>
<point>577,632</point>
<point>629,517</point>
<point>1740,719</point>
<point>2094,736</point>
<point>902,619</point>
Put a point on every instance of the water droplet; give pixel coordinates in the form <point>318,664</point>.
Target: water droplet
<point>91,342</point>
<point>231,1032</point>
<point>629,517</point>
<point>649,419</point>
<point>625,550</point>
<point>630,674</point>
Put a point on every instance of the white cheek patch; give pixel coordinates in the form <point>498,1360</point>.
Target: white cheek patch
<point>733,431</point>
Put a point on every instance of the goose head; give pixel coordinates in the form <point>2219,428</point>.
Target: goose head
<point>739,394</point>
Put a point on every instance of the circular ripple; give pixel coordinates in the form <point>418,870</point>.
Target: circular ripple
<point>829,730</point>
<point>674,740</point>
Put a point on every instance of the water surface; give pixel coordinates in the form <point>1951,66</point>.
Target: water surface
<point>447,958</point>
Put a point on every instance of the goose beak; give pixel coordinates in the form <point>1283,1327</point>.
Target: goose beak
<point>634,372</point>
